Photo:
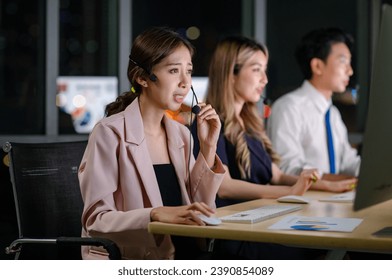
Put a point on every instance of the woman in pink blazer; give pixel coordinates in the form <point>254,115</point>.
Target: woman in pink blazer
<point>138,166</point>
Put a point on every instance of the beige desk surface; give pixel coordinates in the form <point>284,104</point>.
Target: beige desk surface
<point>361,239</point>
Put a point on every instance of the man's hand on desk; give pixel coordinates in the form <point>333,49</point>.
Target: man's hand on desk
<point>335,186</point>
<point>336,177</point>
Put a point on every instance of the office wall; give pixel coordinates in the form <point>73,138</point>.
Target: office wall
<point>288,21</point>
<point>91,42</point>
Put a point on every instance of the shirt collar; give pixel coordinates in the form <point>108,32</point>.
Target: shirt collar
<point>319,101</point>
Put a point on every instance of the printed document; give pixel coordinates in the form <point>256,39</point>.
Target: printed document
<point>317,223</point>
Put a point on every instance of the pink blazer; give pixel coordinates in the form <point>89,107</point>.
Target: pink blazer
<point>119,187</point>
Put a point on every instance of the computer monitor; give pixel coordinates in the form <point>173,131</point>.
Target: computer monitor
<point>200,85</point>
<point>375,175</point>
<point>84,98</point>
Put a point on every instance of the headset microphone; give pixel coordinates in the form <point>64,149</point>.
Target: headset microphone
<point>195,109</point>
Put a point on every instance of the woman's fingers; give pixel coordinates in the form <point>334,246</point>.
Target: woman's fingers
<point>187,214</point>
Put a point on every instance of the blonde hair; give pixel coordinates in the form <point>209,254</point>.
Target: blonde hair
<point>230,54</point>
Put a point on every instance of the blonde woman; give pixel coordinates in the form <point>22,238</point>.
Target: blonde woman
<point>237,78</point>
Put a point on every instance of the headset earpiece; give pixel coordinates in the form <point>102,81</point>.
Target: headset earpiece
<point>236,69</point>
<point>153,77</point>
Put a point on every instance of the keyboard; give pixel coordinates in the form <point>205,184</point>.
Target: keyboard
<point>260,214</point>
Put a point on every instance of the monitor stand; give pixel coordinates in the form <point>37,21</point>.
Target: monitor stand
<point>384,232</point>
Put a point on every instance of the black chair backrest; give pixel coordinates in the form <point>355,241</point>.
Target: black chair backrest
<point>47,194</point>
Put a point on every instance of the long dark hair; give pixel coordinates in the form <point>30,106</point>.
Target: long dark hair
<point>148,49</point>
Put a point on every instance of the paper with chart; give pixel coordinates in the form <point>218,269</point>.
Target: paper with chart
<point>317,223</point>
<point>342,197</point>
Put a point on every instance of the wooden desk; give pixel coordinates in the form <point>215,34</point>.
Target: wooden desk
<point>361,239</point>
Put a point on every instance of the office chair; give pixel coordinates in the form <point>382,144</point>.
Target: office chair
<point>48,201</point>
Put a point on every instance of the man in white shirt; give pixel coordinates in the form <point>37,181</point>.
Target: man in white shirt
<point>298,125</point>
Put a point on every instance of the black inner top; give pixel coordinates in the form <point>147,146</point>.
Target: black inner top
<point>168,184</point>
<point>186,247</point>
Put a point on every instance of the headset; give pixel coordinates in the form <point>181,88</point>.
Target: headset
<point>151,76</point>
<point>195,109</point>
<point>237,68</point>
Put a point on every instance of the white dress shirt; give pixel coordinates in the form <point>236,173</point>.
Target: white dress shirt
<point>297,131</point>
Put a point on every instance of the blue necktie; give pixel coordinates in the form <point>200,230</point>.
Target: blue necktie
<point>331,152</point>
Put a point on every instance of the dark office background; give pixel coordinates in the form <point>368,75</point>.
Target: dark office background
<point>88,44</point>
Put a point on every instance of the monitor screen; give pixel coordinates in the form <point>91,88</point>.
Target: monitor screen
<point>375,176</point>
<point>85,98</point>
<point>200,85</point>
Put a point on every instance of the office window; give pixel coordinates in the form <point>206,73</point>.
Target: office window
<point>88,47</point>
<point>284,30</point>
<point>22,95</point>
<point>204,22</point>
